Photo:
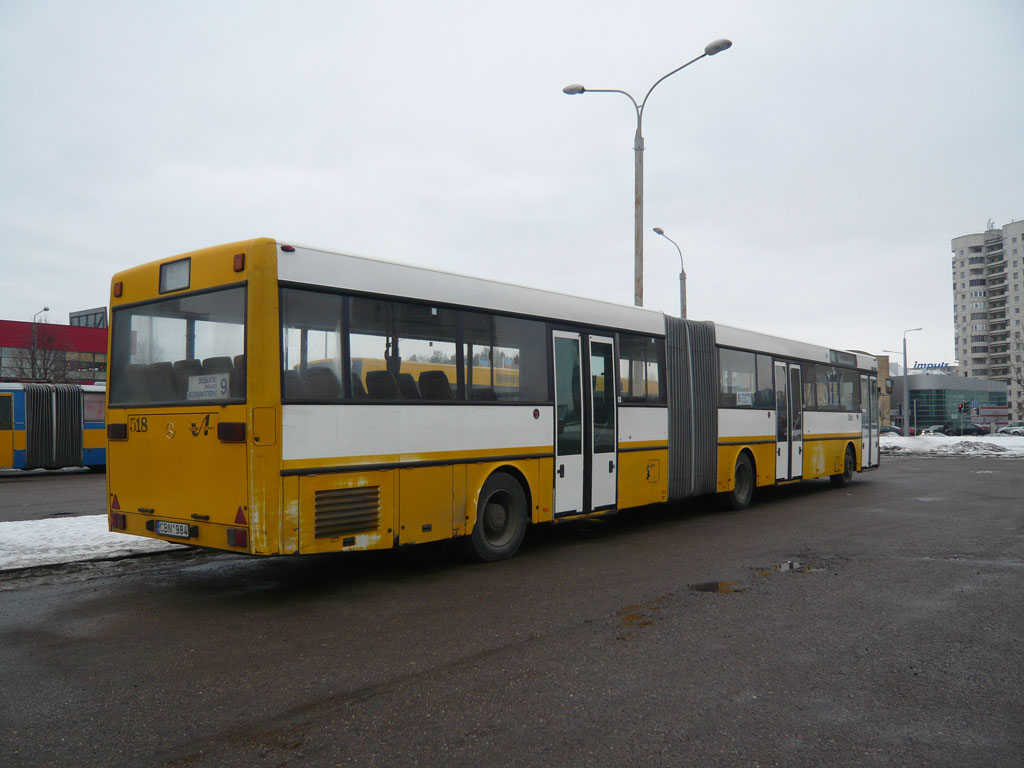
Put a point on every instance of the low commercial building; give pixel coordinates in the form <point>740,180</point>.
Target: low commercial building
<point>52,352</point>
<point>936,399</point>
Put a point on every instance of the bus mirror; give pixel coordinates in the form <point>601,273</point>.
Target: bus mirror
<point>888,386</point>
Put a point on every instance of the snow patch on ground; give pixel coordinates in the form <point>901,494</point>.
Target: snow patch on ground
<point>940,445</point>
<point>52,541</point>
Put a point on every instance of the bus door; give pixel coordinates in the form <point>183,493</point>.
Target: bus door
<point>869,420</point>
<point>789,436</point>
<point>6,430</point>
<point>568,423</point>
<point>586,465</point>
<point>603,441</point>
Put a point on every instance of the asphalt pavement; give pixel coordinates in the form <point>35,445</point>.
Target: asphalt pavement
<point>874,625</point>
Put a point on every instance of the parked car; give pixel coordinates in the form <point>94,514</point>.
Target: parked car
<point>934,429</point>
<point>1015,428</point>
<point>887,430</point>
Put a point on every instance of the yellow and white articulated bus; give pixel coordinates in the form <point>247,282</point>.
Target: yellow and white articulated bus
<point>274,399</point>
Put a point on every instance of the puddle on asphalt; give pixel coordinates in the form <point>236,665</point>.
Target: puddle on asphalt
<point>721,587</point>
<point>725,587</point>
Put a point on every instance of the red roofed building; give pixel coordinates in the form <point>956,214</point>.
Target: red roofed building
<point>50,352</point>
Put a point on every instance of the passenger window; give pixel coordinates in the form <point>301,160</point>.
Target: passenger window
<point>641,367</point>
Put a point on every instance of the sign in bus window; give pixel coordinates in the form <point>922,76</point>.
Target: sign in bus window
<point>212,387</point>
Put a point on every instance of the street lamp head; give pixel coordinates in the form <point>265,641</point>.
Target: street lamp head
<point>717,46</point>
<point>659,231</point>
<point>574,89</point>
<point>46,309</point>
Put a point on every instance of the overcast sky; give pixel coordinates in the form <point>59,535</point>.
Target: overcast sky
<point>813,174</point>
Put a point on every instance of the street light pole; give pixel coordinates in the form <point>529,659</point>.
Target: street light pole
<point>716,46</point>
<point>906,385</point>
<point>34,345</point>
<point>682,272</point>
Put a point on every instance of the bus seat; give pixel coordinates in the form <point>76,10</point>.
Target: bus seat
<point>407,386</point>
<point>381,385</point>
<point>162,385</point>
<point>483,393</point>
<point>322,384</point>
<point>218,365</point>
<point>294,386</point>
<point>434,386</point>
<point>358,390</point>
<point>238,380</point>
<point>182,370</point>
<point>136,387</point>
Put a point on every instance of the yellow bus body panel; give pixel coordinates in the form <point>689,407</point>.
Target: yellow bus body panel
<point>411,505</point>
<point>642,476</point>
<point>173,462</point>
<point>824,454</point>
<point>173,467</point>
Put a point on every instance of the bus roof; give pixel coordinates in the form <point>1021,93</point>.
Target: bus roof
<point>728,336</point>
<point>317,266</point>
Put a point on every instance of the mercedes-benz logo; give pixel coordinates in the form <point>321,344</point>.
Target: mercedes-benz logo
<point>170,430</point>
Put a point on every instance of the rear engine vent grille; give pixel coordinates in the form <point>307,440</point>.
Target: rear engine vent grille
<point>344,511</point>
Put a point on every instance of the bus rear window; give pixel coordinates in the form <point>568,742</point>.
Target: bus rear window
<point>185,350</point>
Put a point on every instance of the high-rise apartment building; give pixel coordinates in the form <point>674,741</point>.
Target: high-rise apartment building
<point>988,324</point>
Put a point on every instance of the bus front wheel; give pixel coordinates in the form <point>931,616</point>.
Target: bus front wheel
<point>500,519</point>
<point>849,466</point>
<point>743,486</point>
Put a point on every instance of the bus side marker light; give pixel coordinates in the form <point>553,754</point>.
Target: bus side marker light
<point>288,248</point>
<point>118,289</point>
<point>117,431</point>
<point>239,263</point>
<point>238,537</point>
<point>231,431</point>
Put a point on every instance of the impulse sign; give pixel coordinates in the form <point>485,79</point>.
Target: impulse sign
<point>944,367</point>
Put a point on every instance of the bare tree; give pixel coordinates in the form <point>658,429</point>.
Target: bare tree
<point>45,361</point>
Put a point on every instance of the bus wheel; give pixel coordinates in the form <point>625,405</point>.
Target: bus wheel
<point>849,466</point>
<point>743,487</point>
<point>500,519</point>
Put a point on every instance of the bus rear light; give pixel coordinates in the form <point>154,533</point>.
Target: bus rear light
<point>118,289</point>
<point>239,263</point>
<point>238,537</point>
<point>117,431</point>
<point>118,521</point>
<point>231,431</point>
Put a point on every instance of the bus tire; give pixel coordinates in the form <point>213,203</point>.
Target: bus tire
<point>849,467</point>
<point>501,517</point>
<point>743,485</point>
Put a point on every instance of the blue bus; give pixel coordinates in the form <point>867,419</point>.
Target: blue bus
<point>51,426</point>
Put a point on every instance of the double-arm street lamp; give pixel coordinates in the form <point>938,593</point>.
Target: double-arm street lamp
<point>682,272</point>
<point>638,149</point>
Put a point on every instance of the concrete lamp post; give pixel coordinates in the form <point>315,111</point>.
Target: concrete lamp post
<point>682,272</point>
<point>34,340</point>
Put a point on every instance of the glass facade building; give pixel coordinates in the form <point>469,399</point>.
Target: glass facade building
<point>935,399</point>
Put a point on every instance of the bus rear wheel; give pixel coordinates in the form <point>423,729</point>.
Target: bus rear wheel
<point>500,519</point>
<point>743,486</point>
<point>849,467</point>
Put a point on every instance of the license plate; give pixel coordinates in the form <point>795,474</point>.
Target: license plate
<point>178,530</point>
